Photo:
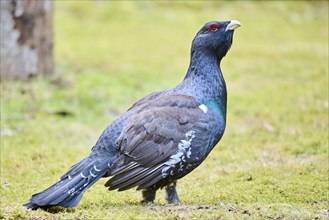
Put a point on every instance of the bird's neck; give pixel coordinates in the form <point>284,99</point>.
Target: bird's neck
<point>204,79</point>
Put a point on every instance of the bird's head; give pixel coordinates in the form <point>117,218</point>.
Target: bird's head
<point>215,38</point>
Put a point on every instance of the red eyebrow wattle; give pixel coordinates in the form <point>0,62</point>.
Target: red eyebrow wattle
<point>213,26</point>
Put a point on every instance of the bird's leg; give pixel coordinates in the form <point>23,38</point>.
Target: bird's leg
<point>148,195</point>
<point>172,196</point>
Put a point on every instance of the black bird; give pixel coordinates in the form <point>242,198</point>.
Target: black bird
<point>162,137</point>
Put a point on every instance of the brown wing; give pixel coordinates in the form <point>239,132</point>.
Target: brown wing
<point>152,136</point>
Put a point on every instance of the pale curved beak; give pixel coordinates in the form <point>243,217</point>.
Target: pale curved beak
<point>233,25</point>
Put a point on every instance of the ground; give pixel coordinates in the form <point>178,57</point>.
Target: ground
<point>272,162</point>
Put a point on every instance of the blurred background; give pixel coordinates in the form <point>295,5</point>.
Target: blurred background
<point>105,55</point>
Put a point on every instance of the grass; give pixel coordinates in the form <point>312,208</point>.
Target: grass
<point>272,162</point>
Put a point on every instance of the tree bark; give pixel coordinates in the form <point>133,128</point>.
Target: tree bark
<point>26,38</point>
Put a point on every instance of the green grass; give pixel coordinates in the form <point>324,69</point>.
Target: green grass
<point>272,162</point>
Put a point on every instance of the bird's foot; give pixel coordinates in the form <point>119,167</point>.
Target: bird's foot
<point>147,202</point>
<point>172,196</point>
<point>148,196</point>
<point>175,201</point>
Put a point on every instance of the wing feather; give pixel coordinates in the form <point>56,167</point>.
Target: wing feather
<point>152,136</point>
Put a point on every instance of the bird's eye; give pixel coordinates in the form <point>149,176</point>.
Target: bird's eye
<point>213,27</point>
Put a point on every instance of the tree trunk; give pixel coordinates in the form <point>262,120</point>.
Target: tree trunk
<point>26,38</point>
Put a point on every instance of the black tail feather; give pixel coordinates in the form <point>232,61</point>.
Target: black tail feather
<point>32,206</point>
<point>68,191</point>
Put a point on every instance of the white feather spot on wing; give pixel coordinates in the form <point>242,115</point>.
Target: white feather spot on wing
<point>71,191</point>
<point>83,176</point>
<point>204,108</point>
<point>96,168</point>
<point>91,174</point>
<point>178,157</point>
